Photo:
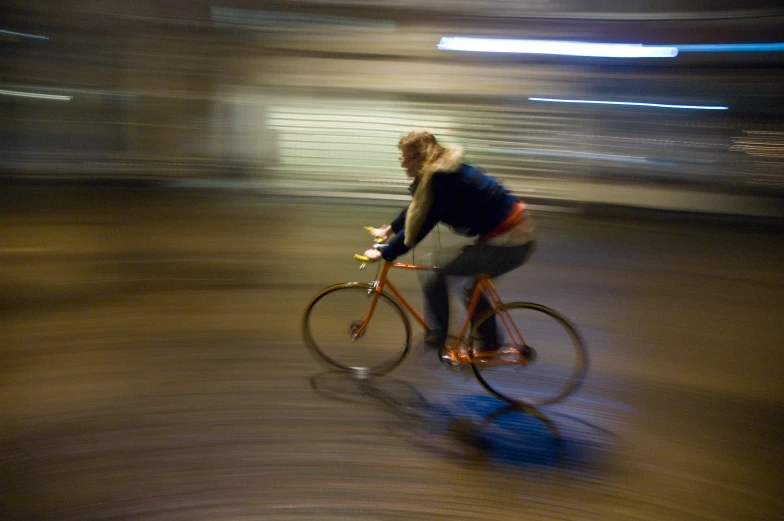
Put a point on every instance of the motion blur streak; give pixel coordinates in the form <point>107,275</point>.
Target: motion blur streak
<point>14,33</point>
<point>630,103</point>
<point>34,95</point>
<point>604,50</point>
<point>181,177</point>
<point>733,47</point>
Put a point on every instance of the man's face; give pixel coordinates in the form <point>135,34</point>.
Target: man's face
<point>410,161</point>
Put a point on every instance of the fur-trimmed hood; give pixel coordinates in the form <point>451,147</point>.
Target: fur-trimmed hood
<point>448,162</point>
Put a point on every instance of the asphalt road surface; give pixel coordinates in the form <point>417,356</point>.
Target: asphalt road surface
<point>152,369</point>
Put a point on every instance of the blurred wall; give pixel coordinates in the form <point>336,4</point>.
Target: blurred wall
<point>317,97</point>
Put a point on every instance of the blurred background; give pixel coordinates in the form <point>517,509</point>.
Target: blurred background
<point>179,178</point>
<point>292,96</point>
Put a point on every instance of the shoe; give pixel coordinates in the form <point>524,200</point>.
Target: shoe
<point>435,339</point>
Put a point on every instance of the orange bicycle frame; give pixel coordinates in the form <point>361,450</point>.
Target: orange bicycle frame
<point>484,284</point>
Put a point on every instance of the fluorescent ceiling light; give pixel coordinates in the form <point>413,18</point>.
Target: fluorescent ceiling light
<point>34,95</point>
<point>603,50</point>
<point>636,104</point>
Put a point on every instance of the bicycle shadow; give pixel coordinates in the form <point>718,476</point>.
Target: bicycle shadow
<point>471,428</point>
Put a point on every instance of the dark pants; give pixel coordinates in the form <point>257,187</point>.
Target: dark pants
<point>473,260</point>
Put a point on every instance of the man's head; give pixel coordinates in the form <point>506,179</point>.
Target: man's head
<point>418,149</point>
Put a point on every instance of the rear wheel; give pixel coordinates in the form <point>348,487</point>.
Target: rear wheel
<point>337,330</point>
<point>542,359</point>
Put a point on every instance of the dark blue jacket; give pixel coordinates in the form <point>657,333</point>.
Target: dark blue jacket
<point>469,201</point>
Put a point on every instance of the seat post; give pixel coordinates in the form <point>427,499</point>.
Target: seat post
<point>488,287</point>
<point>506,320</point>
<point>482,280</point>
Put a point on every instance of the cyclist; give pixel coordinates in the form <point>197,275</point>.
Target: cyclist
<point>473,204</point>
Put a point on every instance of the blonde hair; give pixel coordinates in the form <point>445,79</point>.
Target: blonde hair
<point>424,144</point>
<point>434,158</point>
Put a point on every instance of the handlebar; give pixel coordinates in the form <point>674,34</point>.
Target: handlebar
<point>375,239</point>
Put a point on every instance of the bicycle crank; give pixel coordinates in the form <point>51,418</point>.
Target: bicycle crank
<point>450,358</point>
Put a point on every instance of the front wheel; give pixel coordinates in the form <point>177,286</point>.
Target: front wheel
<point>340,330</point>
<point>542,359</point>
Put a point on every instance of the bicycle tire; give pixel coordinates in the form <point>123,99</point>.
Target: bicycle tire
<point>539,326</point>
<point>388,326</point>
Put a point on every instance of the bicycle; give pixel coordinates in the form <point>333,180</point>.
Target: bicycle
<point>376,314</point>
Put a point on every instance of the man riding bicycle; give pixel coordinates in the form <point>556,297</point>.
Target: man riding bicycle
<point>473,204</point>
